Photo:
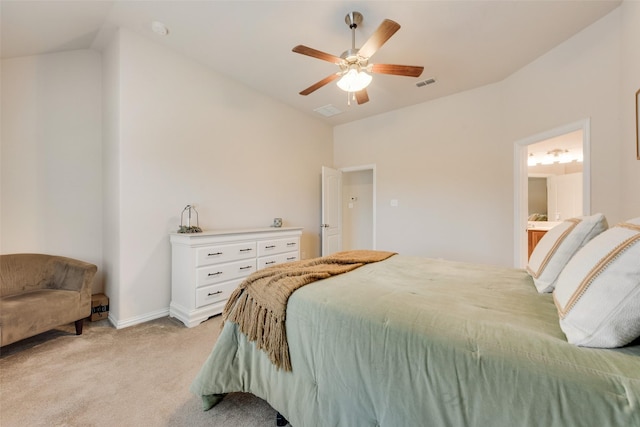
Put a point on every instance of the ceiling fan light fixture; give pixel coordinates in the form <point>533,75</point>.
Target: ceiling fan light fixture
<point>354,65</point>
<point>354,80</point>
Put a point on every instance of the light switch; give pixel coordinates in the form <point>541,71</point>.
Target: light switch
<point>394,202</point>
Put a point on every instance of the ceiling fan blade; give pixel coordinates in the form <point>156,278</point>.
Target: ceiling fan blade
<point>362,96</point>
<point>397,70</point>
<point>304,50</point>
<point>318,85</point>
<point>377,39</point>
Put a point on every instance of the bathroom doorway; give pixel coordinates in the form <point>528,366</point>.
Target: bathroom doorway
<point>561,157</point>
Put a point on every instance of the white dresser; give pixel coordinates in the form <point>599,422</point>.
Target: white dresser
<point>206,267</point>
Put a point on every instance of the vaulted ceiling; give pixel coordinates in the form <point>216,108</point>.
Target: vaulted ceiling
<point>461,44</point>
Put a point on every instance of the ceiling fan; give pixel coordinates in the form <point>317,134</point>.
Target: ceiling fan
<point>354,63</point>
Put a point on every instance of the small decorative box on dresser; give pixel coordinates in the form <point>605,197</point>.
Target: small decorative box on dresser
<point>206,267</point>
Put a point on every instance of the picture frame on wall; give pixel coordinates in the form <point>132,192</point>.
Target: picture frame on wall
<point>638,124</point>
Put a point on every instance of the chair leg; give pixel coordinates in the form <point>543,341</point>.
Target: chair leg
<point>79,324</point>
<point>280,420</point>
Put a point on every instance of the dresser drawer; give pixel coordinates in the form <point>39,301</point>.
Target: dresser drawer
<point>215,293</point>
<point>277,259</point>
<point>278,246</point>
<point>224,253</point>
<point>222,272</point>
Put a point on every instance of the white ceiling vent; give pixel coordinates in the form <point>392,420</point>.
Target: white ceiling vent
<point>426,82</point>
<point>328,110</point>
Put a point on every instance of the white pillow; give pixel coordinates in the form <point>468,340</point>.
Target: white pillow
<point>557,247</point>
<point>598,293</point>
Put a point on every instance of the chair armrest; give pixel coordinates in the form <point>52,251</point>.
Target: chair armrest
<point>72,274</point>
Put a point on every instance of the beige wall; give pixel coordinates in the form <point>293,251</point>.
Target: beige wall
<point>443,161</point>
<point>450,162</point>
<point>577,80</point>
<point>111,174</point>
<point>185,135</point>
<point>166,133</point>
<point>51,150</point>
<point>630,83</point>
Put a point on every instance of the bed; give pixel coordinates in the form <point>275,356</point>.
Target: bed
<point>412,341</point>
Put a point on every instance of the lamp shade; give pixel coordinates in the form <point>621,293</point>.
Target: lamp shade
<point>354,80</point>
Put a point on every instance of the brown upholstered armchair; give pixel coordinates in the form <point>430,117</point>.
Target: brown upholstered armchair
<point>40,292</point>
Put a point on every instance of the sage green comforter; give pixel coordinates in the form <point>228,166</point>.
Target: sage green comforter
<point>419,342</point>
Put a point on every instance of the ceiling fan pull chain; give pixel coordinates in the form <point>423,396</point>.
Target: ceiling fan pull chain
<point>351,96</point>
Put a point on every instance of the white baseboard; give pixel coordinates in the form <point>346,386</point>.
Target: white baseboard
<point>120,324</point>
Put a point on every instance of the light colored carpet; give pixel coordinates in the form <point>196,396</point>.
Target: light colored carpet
<point>137,376</point>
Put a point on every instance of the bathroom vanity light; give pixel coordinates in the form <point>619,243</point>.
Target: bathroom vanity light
<point>554,156</point>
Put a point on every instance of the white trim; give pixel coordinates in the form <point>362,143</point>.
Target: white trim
<point>372,168</point>
<point>520,181</point>
<point>120,324</point>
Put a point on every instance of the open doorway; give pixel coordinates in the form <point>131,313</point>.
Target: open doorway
<point>358,208</point>
<point>555,172</point>
<point>348,208</point>
<point>560,157</point>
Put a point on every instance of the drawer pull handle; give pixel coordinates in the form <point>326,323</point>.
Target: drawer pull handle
<point>291,258</point>
<point>246,250</point>
<point>215,274</point>
<point>214,293</point>
<point>269,262</point>
<point>215,253</point>
<point>270,247</point>
<point>291,244</point>
<point>246,268</point>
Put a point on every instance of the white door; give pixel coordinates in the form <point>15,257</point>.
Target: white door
<point>331,211</point>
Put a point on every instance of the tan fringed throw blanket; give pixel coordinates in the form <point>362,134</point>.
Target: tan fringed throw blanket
<point>259,303</point>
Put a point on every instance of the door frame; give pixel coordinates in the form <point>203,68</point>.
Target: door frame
<point>331,203</point>
<point>521,191</point>
<point>372,168</point>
